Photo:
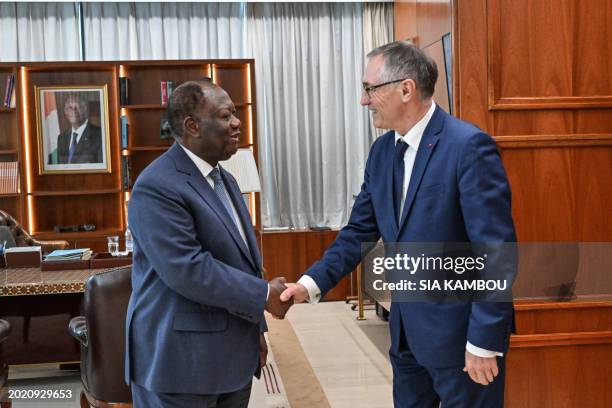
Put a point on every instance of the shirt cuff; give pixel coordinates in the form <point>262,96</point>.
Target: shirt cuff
<point>480,352</point>
<point>268,295</point>
<point>314,293</point>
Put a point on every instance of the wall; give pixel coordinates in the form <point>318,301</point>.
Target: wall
<point>537,76</point>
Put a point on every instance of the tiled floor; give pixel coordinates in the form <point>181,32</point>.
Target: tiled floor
<point>348,357</point>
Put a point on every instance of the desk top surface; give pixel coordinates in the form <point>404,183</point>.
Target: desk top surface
<point>33,281</point>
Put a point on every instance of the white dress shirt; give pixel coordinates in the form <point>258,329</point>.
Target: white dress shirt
<point>79,131</point>
<point>205,168</point>
<point>413,139</point>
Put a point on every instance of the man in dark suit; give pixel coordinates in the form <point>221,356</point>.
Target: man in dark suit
<point>82,142</point>
<point>195,321</point>
<point>433,178</point>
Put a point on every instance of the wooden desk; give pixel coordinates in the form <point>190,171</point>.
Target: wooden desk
<point>39,306</point>
<point>33,281</point>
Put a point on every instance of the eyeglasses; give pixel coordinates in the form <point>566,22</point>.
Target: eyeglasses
<point>367,89</point>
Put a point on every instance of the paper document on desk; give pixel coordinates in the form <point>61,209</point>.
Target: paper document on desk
<point>58,255</point>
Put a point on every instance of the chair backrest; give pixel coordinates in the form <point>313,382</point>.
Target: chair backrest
<point>6,237</point>
<point>5,329</point>
<point>106,300</point>
<point>19,234</point>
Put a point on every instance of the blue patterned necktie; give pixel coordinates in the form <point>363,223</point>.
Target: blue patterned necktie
<point>222,192</point>
<point>73,145</point>
<point>398,177</point>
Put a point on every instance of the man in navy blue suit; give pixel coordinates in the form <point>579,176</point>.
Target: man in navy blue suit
<point>195,321</point>
<point>433,178</point>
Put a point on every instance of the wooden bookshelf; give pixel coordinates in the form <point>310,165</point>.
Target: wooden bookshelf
<point>47,200</point>
<point>10,146</point>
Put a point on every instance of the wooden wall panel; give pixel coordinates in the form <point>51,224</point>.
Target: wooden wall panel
<point>567,188</point>
<point>578,382</point>
<point>404,15</point>
<point>437,21</point>
<point>546,318</point>
<point>549,54</point>
<point>554,132</point>
<point>422,21</point>
<point>290,253</point>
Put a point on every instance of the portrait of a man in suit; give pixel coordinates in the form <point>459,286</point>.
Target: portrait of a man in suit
<point>82,141</point>
<point>73,129</point>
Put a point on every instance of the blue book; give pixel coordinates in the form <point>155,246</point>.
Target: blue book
<point>64,252</point>
<point>124,132</point>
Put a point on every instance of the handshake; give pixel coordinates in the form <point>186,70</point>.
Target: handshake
<point>282,295</point>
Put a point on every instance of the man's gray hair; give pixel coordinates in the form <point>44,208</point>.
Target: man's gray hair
<point>405,60</point>
<point>185,100</point>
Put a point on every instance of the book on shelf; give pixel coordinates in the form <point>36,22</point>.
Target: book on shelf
<point>170,86</point>
<point>13,102</point>
<point>9,177</point>
<point>166,90</point>
<point>9,91</point>
<point>124,132</point>
<point>124,85</point>
<point>59,255</point>
<point>165,132</point>
<point>126,169</point>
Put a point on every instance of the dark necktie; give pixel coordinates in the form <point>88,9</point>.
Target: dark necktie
<point>398,177</point>
<point>222,193</point>
<point>73,145</point>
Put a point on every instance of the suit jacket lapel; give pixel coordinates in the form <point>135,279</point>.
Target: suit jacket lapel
<point>201,186</point>
<point>243,214</point>
<point>426,148</point>
<point>390,222</point>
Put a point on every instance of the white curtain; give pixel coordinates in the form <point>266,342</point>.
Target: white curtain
<point>377,31</point>
<point>313,134</point>
<point>39,32</point>
<point>126,31</point>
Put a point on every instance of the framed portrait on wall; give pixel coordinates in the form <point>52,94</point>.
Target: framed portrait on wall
<point>73,129</point>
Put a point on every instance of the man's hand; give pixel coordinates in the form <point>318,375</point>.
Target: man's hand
<point>482,370</point>
<point>263,351</point>
<point>295,291</point>
<point>274,305</point>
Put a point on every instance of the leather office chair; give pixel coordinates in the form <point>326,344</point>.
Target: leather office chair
<point>5,329</point>
<point>101,333</point>
<point>22,238</point>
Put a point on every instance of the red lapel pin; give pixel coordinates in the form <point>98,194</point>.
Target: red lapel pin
<point>429,145</point>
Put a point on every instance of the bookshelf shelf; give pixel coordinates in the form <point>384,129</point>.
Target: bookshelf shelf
<point>10,195</point>
<point>7,110</point>
<point>60,193</point>
<point>102,233</point>
<point>9,151</point>
<point>147,106</point>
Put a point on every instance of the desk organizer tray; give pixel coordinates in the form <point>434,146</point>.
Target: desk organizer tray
<point>64,265</point>
<point>106,260</point>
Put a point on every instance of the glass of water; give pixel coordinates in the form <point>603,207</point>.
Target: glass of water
<point>113,245</point>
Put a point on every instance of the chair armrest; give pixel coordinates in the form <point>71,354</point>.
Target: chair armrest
<point>78,329</point>
<point>5,329</point>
